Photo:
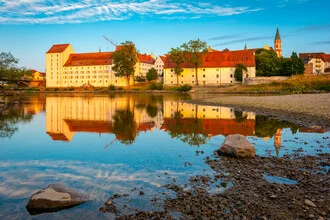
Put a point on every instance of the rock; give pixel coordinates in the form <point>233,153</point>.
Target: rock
<point>141,193</point>
<point>324,213</point>
<point>310,203</point>
<point>54,198</point>
<point>237,146</point>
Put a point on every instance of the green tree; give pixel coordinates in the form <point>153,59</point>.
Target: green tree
<point>152,74</point>
<point>9,69</point>
<point>239,71</point>
<point>298,66</point>
<point>267,63</point>
<point>177,56</point>
<point>286,67</point>
<point>194,52</point>
<point>124,60</point>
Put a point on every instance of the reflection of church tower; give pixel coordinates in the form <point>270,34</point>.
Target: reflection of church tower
<point>277,140</point>
<point>278,44</point>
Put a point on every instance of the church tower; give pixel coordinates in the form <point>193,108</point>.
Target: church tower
<point>278,44</point>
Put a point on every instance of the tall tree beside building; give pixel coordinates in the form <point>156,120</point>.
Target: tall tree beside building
<point>239,71</point>
<point>267,63</point>
<point>177,56</point>
<point>124,60</point>
<point>298,66</point>
<point>194,51</point>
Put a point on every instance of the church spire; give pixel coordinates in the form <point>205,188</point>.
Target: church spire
<point>277,36</point>
<point>278,43</point>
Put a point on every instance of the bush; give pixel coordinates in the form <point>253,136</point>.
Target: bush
<point>120,88</point>
<point>140,79</point>
<point>156,86</point>
<point>184,88</point>
<point>112,88</point>
<point>56,89</point>
<point>152,74</point>
<point>71,88</point>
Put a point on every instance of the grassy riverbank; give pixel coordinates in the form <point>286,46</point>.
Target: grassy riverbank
<point>294,85</point>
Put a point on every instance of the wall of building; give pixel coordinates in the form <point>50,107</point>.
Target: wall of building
<point>159,66</point>
<point>206,76</point>
<point>54,67</point>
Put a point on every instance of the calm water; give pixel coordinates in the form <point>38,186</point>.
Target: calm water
<point>103,145</point>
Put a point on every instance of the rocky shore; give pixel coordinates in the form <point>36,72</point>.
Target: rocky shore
<point>304,109</point>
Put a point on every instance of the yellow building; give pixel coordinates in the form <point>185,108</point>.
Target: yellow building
<point>218,67</point>
<point>64,68</point>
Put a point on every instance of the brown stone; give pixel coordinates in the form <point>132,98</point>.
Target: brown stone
<point>237,146</point>
<point>54,198</point>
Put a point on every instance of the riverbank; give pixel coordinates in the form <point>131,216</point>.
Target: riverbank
<point>304,109</point>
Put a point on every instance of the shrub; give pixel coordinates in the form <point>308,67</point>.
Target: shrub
<point>156,86</point>
<point>184,88</point>
<point>120,88</point>
<point>152,74</point>
<point>140,79</point>
<point>112,88</point>
<point>56,89</point>
<point>71,88</point>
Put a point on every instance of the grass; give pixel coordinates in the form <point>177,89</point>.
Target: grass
<point>295,84</point>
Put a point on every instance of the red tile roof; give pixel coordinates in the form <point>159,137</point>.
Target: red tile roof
<point>326,57</point>
<point>58,48</point>
<point>220,59</point>
<point>308,56</point>
<point>144,58</point>
<point>89,59</point>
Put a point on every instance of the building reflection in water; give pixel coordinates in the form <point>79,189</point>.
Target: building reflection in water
<point>119,115</point>
<point>127,116</point>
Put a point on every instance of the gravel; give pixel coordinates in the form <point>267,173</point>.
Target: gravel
<point>305,109</point>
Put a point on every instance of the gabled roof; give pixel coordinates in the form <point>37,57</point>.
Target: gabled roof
<point>89,59</point>
<point>220,59</point>
<point>308,56</point>
<point>58,48</point>
<point>144,58</point>
<point>326,57</point>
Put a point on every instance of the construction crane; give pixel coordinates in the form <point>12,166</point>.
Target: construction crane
<point>111,42</point>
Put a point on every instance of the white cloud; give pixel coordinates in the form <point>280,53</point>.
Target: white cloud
<point>69,11</point>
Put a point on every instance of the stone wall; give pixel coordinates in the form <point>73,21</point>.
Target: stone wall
<point>263,80</point>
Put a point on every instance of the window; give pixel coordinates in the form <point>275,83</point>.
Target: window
<point>203,69</point>
<point>217,69</point>
<point>193,82</point>
<point>203,76</point>
<point>193,76</point>
<point>171,70</point>
<point>231,75</point>
<point>217,75</point>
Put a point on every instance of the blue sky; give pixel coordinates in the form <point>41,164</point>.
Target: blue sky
<point>28,28</point>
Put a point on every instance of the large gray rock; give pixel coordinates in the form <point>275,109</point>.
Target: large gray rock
<point>237,146</point>
<point>54,198</point>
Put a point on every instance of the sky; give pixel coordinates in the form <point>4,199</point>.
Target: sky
<point>28,28</point>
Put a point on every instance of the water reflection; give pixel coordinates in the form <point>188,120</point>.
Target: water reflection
<point>14,111</point>
<point>160,130</point>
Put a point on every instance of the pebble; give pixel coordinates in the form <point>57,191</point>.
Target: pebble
<point>273,196</point>
<point>309,203</point>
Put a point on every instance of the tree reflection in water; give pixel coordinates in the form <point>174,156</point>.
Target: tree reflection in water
<point>187,130</point>
<point>10,115</point>
<point>124,126</point>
